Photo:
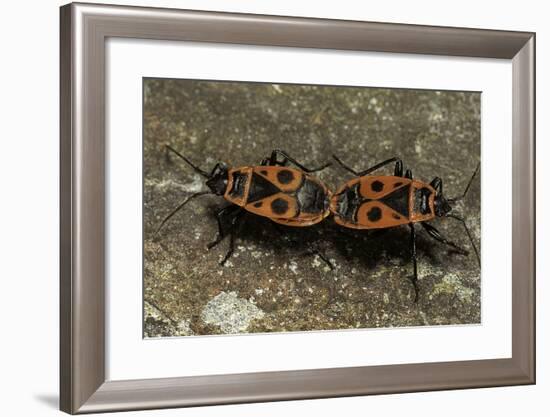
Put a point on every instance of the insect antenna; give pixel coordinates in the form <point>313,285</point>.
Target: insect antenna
<point>195,168</point>
<point>454,200</point>
<point>461,220</point>
<point>178,208</point>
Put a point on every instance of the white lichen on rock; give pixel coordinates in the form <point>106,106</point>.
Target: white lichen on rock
<point>191,187</point>
<point>184,328</point>
<point>231,313</point>
<point>452,285</point>
<point>316,262</point>
<point>293,267</point>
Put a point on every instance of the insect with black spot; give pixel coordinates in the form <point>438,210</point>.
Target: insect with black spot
<point>384,201</point>
<point>287,196</point>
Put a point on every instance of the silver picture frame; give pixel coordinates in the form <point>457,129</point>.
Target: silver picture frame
<point>84,31</point>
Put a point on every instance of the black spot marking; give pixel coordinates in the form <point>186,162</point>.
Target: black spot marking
<point>374,214</point>
<point>395,216</point>
<point>260,188</point>
<point>377,186</point>
<point>397,184</point>
<point>258,204</point>
<point>279,206</point>
<point>398,200</point>
<point>285,176</point>
<point>263,172</point>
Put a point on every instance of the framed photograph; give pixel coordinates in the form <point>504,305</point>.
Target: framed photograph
<point>261,208</point>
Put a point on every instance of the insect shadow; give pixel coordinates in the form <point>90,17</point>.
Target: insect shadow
<point>284,242</point>
<point>386,249</point>
<point>327,241</point>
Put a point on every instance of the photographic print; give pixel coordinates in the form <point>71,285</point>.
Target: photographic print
<point>288,207</point>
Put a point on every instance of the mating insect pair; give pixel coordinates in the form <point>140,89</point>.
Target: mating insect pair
<point>294,197</point>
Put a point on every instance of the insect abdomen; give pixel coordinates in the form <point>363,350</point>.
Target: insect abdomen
<point>312,197</point>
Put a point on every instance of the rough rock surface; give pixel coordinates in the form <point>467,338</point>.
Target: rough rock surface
<point>271,284</point>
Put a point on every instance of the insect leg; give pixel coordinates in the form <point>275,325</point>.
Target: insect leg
<point>273,161</point>
<point>378,166</point>
<point>235,224</point>
<point>409,175</point>
<point>315,251</point>
<point>437,184</point>
<point>398,170</point>
<point>178,208</point>
<point>368,170</point>
<point>461,220</point>
<point>415,266</point>
<point>467,187</point>
<point>310,251</point>
<point>346,167</point>
<point>224,216</point>
<point>433,232</point>
<point>265,162</point>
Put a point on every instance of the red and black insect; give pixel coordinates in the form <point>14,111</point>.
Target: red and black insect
<point>381,202</point>
<point>287,196</point>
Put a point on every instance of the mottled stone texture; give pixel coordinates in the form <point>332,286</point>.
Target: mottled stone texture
<point>271,284</point>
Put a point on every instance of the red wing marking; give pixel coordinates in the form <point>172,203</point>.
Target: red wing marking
<point>375,187</point>
<point>376,215</point>
<point>280,205</point>
<point>286,179</point>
